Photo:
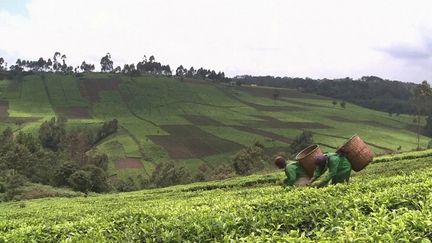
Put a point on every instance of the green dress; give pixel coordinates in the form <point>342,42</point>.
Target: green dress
<point>293,171</point>
<point>339,170</point>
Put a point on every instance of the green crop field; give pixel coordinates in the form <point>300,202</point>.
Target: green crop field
<point>389,201</point>
<point>193,122</point>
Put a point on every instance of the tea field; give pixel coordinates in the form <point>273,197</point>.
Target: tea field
<point>192,122</point>
<point>389,201</point>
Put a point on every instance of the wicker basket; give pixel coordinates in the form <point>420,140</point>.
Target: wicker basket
<point>358,153</point>
<point>306,158</point>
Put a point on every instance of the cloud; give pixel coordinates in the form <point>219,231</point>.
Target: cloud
<point>411,51</point>
<point>333,38</point>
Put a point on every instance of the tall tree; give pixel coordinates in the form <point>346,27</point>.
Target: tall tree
<point>422,93</point>
<point>85,67</point>
<point>180,72</point>
<point>51,133</point>
<point>106,63</point>
<point>1,64</point>
<point>56,64</point>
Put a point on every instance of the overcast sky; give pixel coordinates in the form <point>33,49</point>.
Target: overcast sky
<point>296,38</point>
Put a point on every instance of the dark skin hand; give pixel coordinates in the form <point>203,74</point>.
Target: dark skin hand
<point>322,165</point>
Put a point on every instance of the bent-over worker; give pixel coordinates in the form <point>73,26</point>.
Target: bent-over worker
<point>338,166</point>
<point>294,172</point>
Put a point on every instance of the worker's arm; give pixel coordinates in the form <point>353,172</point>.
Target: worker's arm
<point>317,173</point>
<point>332,164</point>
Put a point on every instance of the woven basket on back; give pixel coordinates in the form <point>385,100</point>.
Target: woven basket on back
<point>358,153</point>
<point>306,158</point>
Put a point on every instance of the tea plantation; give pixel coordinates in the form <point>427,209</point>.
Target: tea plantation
<point>389,201</point>
<point>192,122</point>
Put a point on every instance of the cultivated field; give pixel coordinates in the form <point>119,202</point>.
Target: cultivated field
<point>192,121</point>
<point>389,201</point>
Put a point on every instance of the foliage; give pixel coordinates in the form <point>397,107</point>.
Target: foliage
<point>64,172</point>
<point>107,129</point>
<point>51,133</point>
<point>81,181</point>
<point>249,160</point>
<point>422,94</point>
<point>65,154</point>
<point>168,173</point>
<point>106,63</point>
<point>98,179</point>
<point>368,91</point>
<point>152,107</point>
<point>301,142</point>
<point>12,185</point>
<point>125,185</point>
<point>386,202</point>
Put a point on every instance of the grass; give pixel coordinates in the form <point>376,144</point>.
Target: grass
<point>144,105</point>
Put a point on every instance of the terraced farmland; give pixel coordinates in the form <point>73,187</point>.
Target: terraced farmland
<point>192,121</point>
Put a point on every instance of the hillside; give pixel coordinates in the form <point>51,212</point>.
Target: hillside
<point>192,122</point>
<point>388,201</point>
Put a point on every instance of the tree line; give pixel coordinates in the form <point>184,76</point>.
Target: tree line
<point>56,157</point>
<point>373,92</point>
<point>58,64</point>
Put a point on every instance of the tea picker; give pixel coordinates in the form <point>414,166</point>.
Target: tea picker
<point>296,175</point>
<point>338,169</point>
<point>355,155</point>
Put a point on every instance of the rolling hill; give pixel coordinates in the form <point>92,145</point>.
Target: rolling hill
<point>192,122</point>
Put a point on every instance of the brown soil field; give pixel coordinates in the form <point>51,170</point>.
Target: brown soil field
<point>274,108</point>
<point>4,106</point>
<point>90,88</point>
<point>74,112</point>
<point>188,142</point>
<point>271,122</point>
<point>202,120</point>
<point>129,163</point>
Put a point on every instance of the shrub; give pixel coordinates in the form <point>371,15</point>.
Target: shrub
<point>98,178</point>
<point>80,181</point>
<point>168,173</point>
<point>301,142</point>
<point>63,173</point>
<point>249,160</point>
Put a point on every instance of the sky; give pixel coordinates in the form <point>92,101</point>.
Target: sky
<point>293,38</point>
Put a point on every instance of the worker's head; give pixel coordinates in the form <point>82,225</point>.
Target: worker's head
<point>321,160</point>
<point>280,162</point>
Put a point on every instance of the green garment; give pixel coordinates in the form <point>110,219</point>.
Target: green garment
<point>293,171</point>
<point>339,170</point>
